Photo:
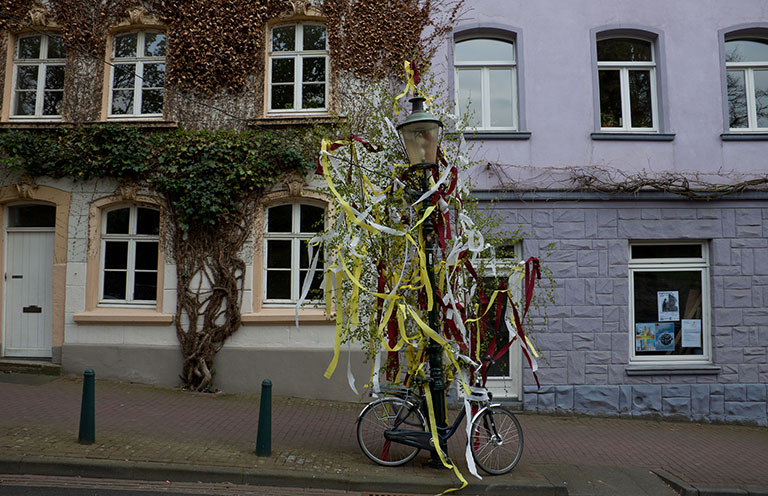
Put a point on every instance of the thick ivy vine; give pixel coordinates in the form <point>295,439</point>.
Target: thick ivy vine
<point>211,182</point>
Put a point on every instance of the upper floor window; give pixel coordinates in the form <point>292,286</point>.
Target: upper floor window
<point>38,73</point>
<point>486,83</point>
<point>138,74</point>
<point>286,264</point>
<point>298,68</point>
<point>129,251</point>
<point>626,72</point>
<point>746,63</point>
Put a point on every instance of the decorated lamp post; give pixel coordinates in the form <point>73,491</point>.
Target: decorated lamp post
<point>404,280</point>
<point>420,133</point>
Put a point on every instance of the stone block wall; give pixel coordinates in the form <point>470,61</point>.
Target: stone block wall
<point>739,403</point>
<point>585,346</point>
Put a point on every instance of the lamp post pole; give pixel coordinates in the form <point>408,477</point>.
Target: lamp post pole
<point>434,350</point>
<point>420,133</point>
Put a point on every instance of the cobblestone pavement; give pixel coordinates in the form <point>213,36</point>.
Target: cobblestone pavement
<point>136,423</point>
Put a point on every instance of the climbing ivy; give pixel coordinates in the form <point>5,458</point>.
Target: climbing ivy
<point>216,45</point>
<point>204,175</point>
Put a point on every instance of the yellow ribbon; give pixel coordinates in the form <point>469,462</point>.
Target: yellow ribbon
<point>410,85</point>
<point>337,339</point>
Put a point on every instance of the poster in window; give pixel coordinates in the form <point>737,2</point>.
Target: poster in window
<point>691,329</point>
<point>665,336</point>
<point>645,337</point>
<point>669,306</point>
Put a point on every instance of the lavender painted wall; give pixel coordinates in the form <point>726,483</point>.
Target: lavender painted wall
<point>586,345</point>
<point>555,51</point>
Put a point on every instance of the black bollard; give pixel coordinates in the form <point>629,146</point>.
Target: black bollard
<point>264,434</point>
<point>87,410</point>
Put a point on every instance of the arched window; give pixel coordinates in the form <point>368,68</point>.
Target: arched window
<point>626,69</point>
<point>138,74</point>
<point>129,255</point>
<point>289,227</point>
<point>298,68</point>
<point>38,76</point>
<point>486,83</point>
<point>746,63</point>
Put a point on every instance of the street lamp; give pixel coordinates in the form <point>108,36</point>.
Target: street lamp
<point>420,132</point>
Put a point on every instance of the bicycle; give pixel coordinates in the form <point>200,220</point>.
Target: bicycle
<point>392,430</point>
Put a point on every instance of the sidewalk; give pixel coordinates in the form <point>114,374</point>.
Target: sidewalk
<point>150,433</point>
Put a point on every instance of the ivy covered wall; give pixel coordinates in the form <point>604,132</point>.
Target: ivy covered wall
<point>216,48</point>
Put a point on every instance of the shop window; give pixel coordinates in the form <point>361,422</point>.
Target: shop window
<point>129,256</point>
<point>138,74</point>
<point>669,303</point>
<point>38,76</point>
<point>289,227</point>
<point>298,68</point>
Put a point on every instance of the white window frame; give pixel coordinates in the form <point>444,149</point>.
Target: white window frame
<point>138,61</point>
<point>131,238</point>
<point>295,237</point>
<point>297,55</point>
<point>749,87</point>
<point>43,63</point>
<point>624,68</point>
<point>485,67</point>
<point>694,264</point>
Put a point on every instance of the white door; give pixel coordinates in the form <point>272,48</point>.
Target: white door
<point>28,325</point>
<point>505,376</point>
<point>505,379</point>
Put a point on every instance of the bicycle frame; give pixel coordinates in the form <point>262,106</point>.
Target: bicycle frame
<point>424,439</point>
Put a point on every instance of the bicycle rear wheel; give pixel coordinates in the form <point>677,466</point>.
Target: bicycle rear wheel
<point>496,440</point>
<point>383,415</point>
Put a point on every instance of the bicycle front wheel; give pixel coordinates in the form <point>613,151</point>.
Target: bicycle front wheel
<point>383,415</point>
<point>496,440</point>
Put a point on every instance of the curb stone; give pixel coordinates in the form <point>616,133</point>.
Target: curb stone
<point>721,491</point>
<point>126,470</point>
<point>677,484</point>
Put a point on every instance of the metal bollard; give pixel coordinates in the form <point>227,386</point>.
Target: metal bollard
<point>264,434</point>
<point>87,409</point>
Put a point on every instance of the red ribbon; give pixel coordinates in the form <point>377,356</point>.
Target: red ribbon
<point>416,75</point>
<point>532,272</point>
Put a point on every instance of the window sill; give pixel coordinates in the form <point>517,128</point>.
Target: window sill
<point>497,135</point>
<point>33,124</point>
<point>305,119</point>
<point>692,369</point>
<point>123,316</point>
<point>137,122</point>
<point>611,136</point>
<point>744,136</point>
<point>287,315</point>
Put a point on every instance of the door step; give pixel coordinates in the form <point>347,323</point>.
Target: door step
<point>39,367</point>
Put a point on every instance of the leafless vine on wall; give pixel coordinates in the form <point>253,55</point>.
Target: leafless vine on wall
<point>603,179</point>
